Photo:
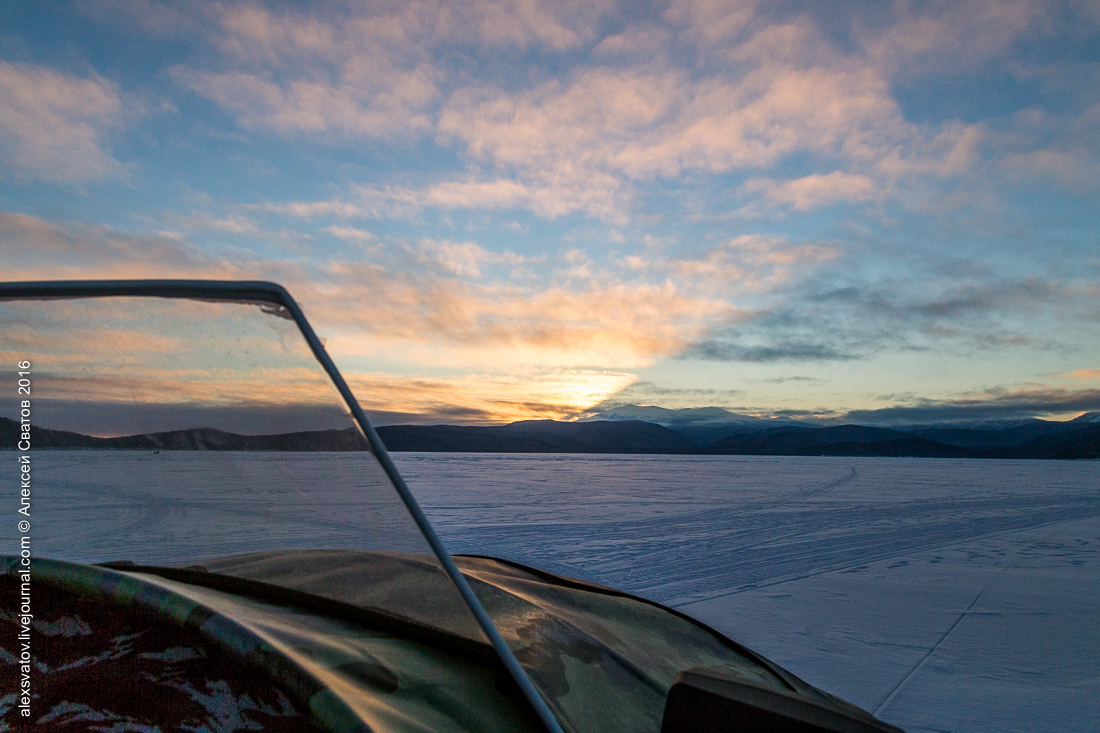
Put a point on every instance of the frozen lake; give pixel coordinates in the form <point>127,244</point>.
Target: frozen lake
<point>946,595</point>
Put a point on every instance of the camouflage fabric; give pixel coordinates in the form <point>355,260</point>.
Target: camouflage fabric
<point>605,661</point>
<point>347,677</point>
<point>96,669</point>
<point>373,641</point>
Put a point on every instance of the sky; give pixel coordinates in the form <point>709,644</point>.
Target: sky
<point>501,210</point>
<point>110,367</point>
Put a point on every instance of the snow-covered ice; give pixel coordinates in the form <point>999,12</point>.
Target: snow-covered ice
<point>947,595</point>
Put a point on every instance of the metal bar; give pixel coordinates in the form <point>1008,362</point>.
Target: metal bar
<point>269,292</point>
<point>238,291</point>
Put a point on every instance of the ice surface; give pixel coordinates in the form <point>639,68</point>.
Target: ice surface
<point>947,595</point>
<point>176,507</point>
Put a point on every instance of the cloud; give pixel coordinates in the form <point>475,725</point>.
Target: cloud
<point>351,234</point>
<point>511,351</point>
<point>812,192</point>
<point>994,403</point>
<point>641,43</point>
<point>53,126</point>
<point>485,398</point>
<point>203,222</point>
<point>1085,374</point>
<point>606,127</point>
<point>454,311</point>
<point>403,202</point>
<point>1073,170</point>
<point>444,320</point>
<point>251,32</point>
<point>36,249</point>
<point>920,39</point>
<point>1041,147</point>
<point>318,107</point>
<point>600,197</point>
<point>149,17</point>
<point>968,298</point>
<point>708,23</point>
<point>310,209</point>
<point>464,259</point>
<point>650,393</point>
<point>998,403</point>
<point>785,351</point>
<point>587,132</point>
<point>748,263</point>
<point>829,314</point>
<point>368,70</point>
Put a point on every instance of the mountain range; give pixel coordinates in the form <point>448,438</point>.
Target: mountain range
<point>192,439</point>
<point>638,430</point>
<point>706,432</point>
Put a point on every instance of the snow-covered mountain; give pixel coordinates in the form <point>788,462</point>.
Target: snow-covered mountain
<point>1088,417</point>
<point>701,425</point>
<point>688,416</point>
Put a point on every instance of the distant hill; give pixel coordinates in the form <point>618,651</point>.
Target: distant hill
<point>539,436</point>
<point>1037,439</point>
<point>840,440</point>
<point>987,437</point>
<point>635,436</point>
<point>1068,444</point>
<point>193,439</point>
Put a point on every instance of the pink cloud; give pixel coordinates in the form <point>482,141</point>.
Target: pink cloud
<point>811,192</point>
<point>584,140</point>
<point>54,126</point>
<point>957,35</point>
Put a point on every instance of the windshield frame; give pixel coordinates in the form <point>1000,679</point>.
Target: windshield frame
<point>274,295</point>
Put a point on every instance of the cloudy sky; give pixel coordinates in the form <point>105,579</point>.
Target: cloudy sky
<point>507,209</point>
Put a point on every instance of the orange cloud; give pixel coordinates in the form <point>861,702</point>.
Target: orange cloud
<point>443,303</point>
<point>555,394</point>
<point>472,318</point>
<point>157,350</point>
<point>182,352</point>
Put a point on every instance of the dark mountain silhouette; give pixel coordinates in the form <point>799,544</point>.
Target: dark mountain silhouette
<point>633,436</point>
<point>840,440</point>
<point>539,436</point>
<point>985,438</point>
<point>192,439</point>
<point>1082,442</point>
<point>1038,439</point>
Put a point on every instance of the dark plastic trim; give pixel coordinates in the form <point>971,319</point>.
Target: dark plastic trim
<point>711,701</point>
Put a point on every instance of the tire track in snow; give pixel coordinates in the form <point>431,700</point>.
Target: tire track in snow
<point>684,560</point>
